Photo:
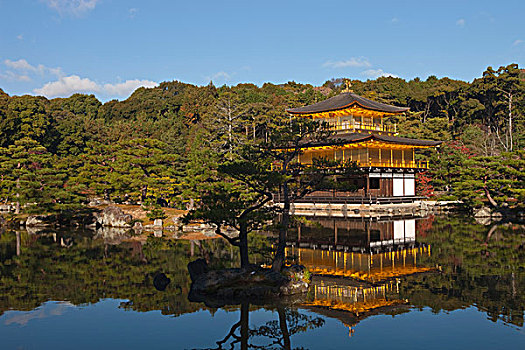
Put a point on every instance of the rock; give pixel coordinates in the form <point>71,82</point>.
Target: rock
<point>197,268</point>
<point>157,233</point>
<point>112,235</point>
<point>6,208</point>
<point>97,201</point>
<point>39,221</point>
<point>34,230</point>
<point>113,216</point>
<point>177,221</point>
<point>137,227</point>
<point>497,216</point>
<point>161,281</point>
<point>299,280</point>
<point>253,283</point>
<point>157,222</point>
<point>483,212</point>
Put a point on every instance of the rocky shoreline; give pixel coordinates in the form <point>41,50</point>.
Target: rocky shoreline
<point>134,218</point>
<point>231,286</point>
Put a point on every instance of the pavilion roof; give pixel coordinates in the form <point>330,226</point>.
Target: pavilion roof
<point>344,100</point>
<point>355,137</point>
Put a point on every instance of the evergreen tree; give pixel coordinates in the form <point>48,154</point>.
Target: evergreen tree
<point>34,179</point>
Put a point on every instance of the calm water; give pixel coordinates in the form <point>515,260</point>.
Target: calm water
<point>427,284</point>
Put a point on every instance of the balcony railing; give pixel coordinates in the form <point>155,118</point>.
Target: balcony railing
<point>420,164</point>
<point>352,126</point>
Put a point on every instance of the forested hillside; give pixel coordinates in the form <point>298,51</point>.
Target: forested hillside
<point>159,143</point>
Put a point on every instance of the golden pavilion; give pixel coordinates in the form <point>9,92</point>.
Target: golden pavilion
<point>363,135</point>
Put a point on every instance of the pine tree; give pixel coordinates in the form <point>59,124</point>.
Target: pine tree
<point>35,180</point>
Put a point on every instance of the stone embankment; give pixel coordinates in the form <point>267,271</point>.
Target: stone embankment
<point>416,209</point>
<point>116,223</point>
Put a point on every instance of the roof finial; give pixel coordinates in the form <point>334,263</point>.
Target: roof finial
<point>347,86</point>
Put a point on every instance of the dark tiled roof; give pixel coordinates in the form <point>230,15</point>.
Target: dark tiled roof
<point>344,100</point>
<point>359,137</point>
<point>406,141</point>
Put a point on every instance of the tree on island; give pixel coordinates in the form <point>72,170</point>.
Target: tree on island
<point>237,197</point>
<point>240,192</point>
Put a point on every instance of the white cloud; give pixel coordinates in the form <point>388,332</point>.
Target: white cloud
<point>9,75</point>
<point>71,7</point>
<point>24,66</point>
<point>219,78</point>
<point>460,22</point>
<point>352,62</point>
<point>66,86</point>
<point>376,73</point>
<point>21,64</point>
<point>518,42</point>
<point>132,12</point>
<point>127,87</point>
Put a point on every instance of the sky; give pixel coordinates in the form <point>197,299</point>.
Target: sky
<point>108,47</point>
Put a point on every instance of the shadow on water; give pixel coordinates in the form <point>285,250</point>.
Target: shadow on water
<point>362,268</point>
<point>274,334</point>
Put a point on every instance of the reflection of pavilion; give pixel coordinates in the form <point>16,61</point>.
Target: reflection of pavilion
<point>358,235</point>
<point>351,304</point>
<point>358,300</point>
<point>357,264</point>
<point>365,250</point>
<point>367,267</point>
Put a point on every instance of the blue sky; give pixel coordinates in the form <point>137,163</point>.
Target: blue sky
<point>110,47</point>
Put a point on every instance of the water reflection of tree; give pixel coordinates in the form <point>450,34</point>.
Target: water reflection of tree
<point>37,268</point>
<point>481,266</point>
<point>277,333</point>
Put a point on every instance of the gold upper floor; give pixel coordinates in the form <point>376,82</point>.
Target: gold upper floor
<point>357,119</point>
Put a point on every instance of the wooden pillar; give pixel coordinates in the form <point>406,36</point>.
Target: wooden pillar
<point>367,183</point>
<point>367,228</point>
<point>335,233</point>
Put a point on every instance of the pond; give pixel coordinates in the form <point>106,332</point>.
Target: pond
<point>432,283</point>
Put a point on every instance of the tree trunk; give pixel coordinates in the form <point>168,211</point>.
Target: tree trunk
<point>278,260</point>
<point>245,334</point>
<point>287,345</point>
<point>191,205</point>
<point>17,203</point>
<point>510,123</point>
<point>489,197</point>
<point>144,193</point>
<point>243,245</point>
<point>18,244</point>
